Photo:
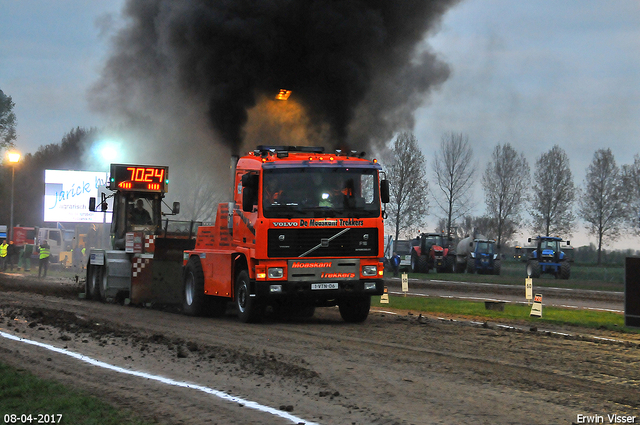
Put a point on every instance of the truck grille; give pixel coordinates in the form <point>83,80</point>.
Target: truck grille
<point>294,242</point>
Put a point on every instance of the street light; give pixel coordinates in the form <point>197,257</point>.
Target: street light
<point>14,157</point>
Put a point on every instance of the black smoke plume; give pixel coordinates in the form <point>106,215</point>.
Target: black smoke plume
<point>358,69</point>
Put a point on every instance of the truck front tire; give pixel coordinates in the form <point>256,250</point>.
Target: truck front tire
<point>249,309</point>
<point>355,310</point>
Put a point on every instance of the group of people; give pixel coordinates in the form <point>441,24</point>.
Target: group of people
<point>8,255</point>
<point>10,252</point>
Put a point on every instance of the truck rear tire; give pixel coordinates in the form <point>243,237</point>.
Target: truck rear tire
<point>533,268</point>
<point>355,310</point>
<point>249,309</point>
<point>193,288</point>
<point>423,264</point>
<point>102,283</point>
<point>414,262</point>
<point>565,270</point>
<point>94,280</point>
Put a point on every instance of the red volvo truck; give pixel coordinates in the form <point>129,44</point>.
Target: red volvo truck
<point>304,229</point>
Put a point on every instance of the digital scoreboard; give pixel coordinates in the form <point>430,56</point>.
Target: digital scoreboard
<point>143,178</point>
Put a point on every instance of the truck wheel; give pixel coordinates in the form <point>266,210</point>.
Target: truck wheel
<point>94,280</point>
<point>193,289</point>
<point>565,270</point>
<point>102,283</point>
<point>471,265</point>
<point>414,263</point>
<point>249,309</point>
<point>497,265</point>
<point>449,263</point>
<point>355,310</point>
<point>423,264</point>
<point>533,268</point>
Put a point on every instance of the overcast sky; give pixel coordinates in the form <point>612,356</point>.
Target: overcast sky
<point>533,74</point>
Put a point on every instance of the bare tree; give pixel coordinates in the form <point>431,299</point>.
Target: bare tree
<point>506,181</point>
<point>468,226</point>
<point>453,172</point>
<point>7,121</point>
<point>406,170</point>
<point>631,184</point>
<point>553,194</point>
<point>602,203</point>
<point>199,197</point>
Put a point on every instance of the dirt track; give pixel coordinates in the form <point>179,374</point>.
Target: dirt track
<point>392,369</point>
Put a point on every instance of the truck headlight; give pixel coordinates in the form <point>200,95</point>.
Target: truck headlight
<point>473,255</point>
<point>369,286</point>
<point>369,270</point>
<point>275,272</point>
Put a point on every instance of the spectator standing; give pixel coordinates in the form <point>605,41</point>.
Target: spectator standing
<point>12,254</point>
<point>4,250</point>
<point>45,252</point>
<point>395,263</point>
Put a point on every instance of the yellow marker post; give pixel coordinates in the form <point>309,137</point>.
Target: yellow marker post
<point>536,309</point>
<point>384,298</point>
<point>528,284</point>
<point>405,283</point>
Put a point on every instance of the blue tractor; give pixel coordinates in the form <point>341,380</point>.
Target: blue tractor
<point>547,257</point>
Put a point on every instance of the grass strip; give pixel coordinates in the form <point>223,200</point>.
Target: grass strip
<point>22,393</point>
<point>512,312</point>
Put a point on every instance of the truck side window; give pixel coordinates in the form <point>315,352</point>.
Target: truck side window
<point>55,236</point>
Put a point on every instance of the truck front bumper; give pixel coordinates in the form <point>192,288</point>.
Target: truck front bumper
<point>318,290</point>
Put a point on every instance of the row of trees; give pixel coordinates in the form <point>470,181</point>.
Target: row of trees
<point>608,202</point>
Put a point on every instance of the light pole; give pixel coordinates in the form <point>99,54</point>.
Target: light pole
<point>14,157</point>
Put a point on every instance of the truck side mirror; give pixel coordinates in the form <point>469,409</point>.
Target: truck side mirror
<point>529,239</point>
<point>568,242</point>
<point>247,199</point>
<point>250,182</point>
<point>176,208</point>
<point>384,191</point>
<point>103,202</point>
<point>92,204</point>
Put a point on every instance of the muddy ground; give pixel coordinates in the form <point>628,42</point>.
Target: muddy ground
<point>392,369</point>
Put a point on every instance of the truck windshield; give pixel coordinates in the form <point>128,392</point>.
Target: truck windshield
<point>485,248</point>
<point>320,192</point>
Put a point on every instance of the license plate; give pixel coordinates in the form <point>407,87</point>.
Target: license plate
<point>329,285</point>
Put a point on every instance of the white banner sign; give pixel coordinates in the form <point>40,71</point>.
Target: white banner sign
<point>67,193</point>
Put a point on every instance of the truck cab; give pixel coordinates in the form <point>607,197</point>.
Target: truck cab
<point>304,230</point>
